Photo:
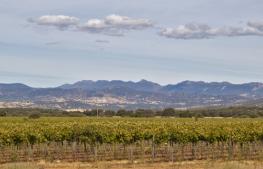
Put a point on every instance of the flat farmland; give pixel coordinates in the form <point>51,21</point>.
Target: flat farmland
<point>134,139</point>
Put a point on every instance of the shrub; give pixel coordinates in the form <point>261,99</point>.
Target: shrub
<point>34,116</point>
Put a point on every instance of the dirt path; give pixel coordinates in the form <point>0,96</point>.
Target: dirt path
<point>126,165</point>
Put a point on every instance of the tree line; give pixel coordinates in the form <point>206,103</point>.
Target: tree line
<point>237,111</point>
<point>251,112</point>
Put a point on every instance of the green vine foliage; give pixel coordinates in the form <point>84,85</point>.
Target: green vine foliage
<point>16,131</point>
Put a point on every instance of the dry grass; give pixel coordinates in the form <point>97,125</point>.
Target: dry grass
<point>126,165</point>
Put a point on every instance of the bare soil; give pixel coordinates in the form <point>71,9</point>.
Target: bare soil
<point>127,165</point>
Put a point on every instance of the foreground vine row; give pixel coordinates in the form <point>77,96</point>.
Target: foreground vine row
<point>17,131</point>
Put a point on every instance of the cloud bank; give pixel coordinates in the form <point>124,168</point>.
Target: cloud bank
<point>117,25</point>
<point>113,24</point>
<point>60,21</point>
<point>203,31</point>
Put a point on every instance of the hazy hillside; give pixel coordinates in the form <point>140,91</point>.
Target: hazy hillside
<point>142,94</point>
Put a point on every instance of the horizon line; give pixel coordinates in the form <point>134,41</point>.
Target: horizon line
<point>134,81</point>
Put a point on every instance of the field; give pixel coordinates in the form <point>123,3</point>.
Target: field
<point>138,140</point>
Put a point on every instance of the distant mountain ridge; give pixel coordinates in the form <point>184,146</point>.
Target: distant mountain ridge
<point>191,87</point>
<point>142,85</point>
<point>129,94</point>
<point>216,88</point>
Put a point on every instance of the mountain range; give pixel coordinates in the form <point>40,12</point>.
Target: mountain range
<point>117,94</point>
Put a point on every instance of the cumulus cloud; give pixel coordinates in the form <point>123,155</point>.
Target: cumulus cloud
<point>203,31</point>
<point>127,23</point>
<point>59,21</point>
<point>257,25</point>
<point>115,25</point>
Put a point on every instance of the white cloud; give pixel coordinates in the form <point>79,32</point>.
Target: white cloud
<point>95,24</point>
<point>202,31</point>
<point>257,25</point>
<point>115,25</point>
<point>189,31</point>
<point>59,21</point>
<point>127,23</point>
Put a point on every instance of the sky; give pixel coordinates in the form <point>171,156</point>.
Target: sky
<point>51,42</point>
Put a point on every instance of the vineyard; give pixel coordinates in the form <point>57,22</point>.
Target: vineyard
<point>147,139</point>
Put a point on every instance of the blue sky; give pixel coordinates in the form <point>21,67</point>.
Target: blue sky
<point>51,42</point>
